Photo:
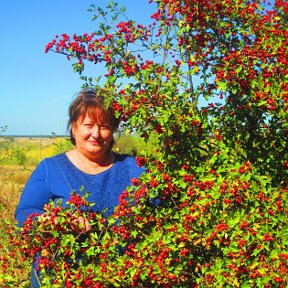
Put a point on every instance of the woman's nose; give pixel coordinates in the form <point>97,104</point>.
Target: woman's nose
<point>95,131</point>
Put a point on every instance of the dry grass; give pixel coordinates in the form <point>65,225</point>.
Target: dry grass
<point>12,181</point>
<point>14,177</point>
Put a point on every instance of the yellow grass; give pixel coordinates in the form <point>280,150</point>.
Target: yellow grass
<point>14,177</point>
<point>12,181</point>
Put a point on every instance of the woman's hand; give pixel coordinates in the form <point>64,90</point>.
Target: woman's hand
<point>80,224</point>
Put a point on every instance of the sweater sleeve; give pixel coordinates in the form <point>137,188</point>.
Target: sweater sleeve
<point>35,194</point>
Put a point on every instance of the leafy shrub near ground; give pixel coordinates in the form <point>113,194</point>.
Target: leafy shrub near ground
<point>14,271</point>
<point>11,153</point>
<point>227,230</point>
<point>211,209</point>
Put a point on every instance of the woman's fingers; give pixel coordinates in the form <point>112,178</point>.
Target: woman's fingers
<point>81,223</point>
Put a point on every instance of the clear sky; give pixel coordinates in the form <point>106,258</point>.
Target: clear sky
<point>36,88</point>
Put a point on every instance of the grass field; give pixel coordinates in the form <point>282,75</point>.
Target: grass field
<point>12,181</point>
<point>19,157</point>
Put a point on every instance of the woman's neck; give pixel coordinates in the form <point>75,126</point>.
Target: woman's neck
<point>91,165</point>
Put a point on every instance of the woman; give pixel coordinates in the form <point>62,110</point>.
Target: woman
<point>92,164</point>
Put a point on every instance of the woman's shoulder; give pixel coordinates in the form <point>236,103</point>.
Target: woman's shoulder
<point>53,160</point>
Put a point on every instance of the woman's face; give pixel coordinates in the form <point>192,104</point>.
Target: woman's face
<point>92,138</point>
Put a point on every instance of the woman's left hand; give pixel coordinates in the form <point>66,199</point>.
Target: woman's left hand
<point>81,224</point>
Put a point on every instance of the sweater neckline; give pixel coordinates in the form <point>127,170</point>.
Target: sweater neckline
<point>89,174</point>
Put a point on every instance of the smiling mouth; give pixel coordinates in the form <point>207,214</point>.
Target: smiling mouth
<point>94,143</point>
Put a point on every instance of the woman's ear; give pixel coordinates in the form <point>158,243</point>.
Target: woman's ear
<point>73,128</point>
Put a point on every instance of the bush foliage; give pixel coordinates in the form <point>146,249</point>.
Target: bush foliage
<point>208,81</point>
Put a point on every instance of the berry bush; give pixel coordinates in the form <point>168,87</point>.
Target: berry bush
<point>208,81</point>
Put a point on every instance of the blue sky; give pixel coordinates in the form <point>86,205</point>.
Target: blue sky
<point>36,88</point>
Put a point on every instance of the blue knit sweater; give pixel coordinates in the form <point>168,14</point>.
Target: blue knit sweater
<point>56,177</point>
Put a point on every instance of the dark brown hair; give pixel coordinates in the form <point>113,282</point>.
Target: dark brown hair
<point>91,101</point>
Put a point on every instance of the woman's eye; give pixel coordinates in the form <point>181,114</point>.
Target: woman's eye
<point>104,127</point>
